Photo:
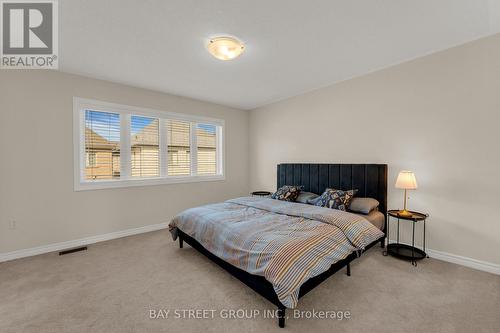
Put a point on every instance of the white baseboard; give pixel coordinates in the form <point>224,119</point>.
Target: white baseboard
<point>79,242</point>
<point>463,261</point>
<point>453,258</point>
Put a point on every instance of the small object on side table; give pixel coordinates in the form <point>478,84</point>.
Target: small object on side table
<point>261,194</point>
<point>403,251</point>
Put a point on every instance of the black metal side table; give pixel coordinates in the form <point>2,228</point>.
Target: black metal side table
<point>261,194</point>
<point>403,251</point>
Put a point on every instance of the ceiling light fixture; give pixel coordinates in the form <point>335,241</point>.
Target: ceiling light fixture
<point>225,48</point>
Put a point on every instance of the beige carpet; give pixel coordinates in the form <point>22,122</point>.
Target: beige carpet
<point>112,286</point>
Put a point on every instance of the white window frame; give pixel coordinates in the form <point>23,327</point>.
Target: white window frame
<point>126,180</point>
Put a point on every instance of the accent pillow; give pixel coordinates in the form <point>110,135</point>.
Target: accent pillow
<point>305,197</point>
<point>287,193</point>
<point>363,205</point>
<point>336,199</point>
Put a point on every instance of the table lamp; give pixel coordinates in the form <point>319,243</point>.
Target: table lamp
<point>407,181</point>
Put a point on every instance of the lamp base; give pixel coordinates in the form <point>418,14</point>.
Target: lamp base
<point>405,213</point>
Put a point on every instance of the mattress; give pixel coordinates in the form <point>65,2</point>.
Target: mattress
<point>376,218</point>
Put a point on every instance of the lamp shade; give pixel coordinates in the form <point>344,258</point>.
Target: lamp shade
<point>406,180</point>
<point>225,48</point>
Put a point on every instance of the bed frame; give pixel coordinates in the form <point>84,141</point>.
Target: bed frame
<point>369,179</point>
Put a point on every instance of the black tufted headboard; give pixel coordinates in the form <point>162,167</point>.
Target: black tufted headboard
<point>369,179</point>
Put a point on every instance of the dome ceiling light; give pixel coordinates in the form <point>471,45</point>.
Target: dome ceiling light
<point>225,48</point>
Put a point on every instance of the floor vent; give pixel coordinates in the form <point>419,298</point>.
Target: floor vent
<point>76,249</point>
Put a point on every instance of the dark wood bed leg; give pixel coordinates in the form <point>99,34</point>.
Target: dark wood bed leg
<point>348,269</point>
<point>382,242</point>
<point>181,242</point>
<point>281,316</point>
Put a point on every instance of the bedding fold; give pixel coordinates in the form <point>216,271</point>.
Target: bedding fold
<point>356,228</point>
<point>287,243</point>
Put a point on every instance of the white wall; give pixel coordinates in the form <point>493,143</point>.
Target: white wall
<point>36,162</point>
<point>438,116</point>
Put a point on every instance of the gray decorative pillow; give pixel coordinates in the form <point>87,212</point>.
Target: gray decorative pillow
<point>336,199</point>
<point>305,197</point>
<point>363,205</point>
<point>287,193</point>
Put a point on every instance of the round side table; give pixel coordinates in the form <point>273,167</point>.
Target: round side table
<point>403,251</point>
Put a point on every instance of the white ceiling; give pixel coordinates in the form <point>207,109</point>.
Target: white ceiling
<point>292,46</point>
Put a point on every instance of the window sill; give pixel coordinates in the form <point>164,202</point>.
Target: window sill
<point>106,184</point>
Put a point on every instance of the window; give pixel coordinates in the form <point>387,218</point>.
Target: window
<point>206,141</point>
<point>119,146</point>
<point>145,143</point>
<point>179,148</point>
<point>90,160</point>
<point>102,138</point>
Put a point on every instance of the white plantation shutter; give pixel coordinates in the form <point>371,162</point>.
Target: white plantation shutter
<point>179,148</point>
<point>206,142</point>
<point>102,145</point>
<point>145,146</point>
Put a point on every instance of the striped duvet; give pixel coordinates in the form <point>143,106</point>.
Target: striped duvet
<point>285,242</point>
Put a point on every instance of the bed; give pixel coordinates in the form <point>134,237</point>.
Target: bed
<point>283,250</point>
